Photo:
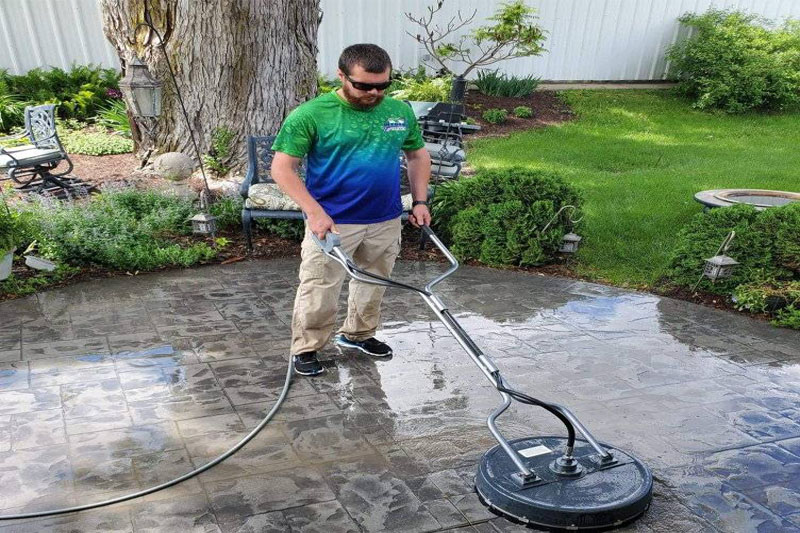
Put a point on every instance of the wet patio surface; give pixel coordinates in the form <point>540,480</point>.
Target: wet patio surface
<point>113,386</point>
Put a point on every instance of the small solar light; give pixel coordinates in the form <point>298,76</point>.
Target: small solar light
<point>719,266</point>
<point>204,224</point>
<point>570,243</point>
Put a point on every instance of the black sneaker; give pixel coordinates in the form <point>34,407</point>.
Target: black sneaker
<point>371,346</point>
<point>306,364</point>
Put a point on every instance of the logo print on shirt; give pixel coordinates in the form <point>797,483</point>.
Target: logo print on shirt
<point>395,124</point>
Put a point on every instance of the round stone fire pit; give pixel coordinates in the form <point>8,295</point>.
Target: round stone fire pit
<point>759,198</point>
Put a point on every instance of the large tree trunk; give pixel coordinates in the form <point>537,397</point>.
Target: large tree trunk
<point>240,64</point>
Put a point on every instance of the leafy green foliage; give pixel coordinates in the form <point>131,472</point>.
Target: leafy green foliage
<point>121,230</point>
<point>523,111</point>
<point>735,62</point>
<point>114,116</point>
<point>89,141</point>
<point>495,116</point>
<point>12,107</point>
<point>424,89</point>
<point>79,92</point>
<point>325,85</point>
<point>221,143</point>
<point>766,245</point>
<point>24,286</point>
<point>228,211</point>
<point>779,299</point>
<point>497,215</point>
<point>17,229</point>
<point>513,33</point>
<point>492,83</point>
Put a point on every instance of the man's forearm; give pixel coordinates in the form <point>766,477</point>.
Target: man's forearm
<point>419,176</point>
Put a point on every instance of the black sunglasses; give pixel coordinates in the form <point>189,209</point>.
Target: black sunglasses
<point>361,86</point>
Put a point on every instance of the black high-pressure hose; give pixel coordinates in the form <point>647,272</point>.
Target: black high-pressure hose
<point>530,400</point>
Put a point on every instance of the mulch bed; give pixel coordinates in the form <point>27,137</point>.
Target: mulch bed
<point>547,107</point>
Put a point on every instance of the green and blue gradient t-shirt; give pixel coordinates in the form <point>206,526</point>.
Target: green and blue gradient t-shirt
<point>353,167</point>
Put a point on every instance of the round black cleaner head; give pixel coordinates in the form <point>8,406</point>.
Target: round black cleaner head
<point>585,492</point>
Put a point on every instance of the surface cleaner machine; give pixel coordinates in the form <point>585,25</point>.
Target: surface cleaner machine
<point>550,482</point>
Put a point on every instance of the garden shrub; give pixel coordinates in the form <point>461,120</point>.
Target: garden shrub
<point>94,142</point>
<point>766,245</point>
<point>120,230</point>
<point>495,116</point>
<point>523,111</point>
<point>736,62</point>
<point>79,92</point>
<point>491,83</point>
<point>114,116</point>
<point>497,215</point>
<point>778,299</point>
<point>221,144</point>
<point>423,89</point>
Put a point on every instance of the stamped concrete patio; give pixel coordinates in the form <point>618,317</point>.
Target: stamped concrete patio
<point>116,385</point>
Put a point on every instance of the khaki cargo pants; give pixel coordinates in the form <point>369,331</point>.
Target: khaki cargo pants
<point>373,247</point>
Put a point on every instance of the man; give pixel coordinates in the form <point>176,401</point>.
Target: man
<point>352,140</point>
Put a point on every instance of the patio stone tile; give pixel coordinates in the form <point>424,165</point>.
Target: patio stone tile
<point>95,474</point>
<point>14,375</point>
<point>136,342</point>
<point>471,507</point>
<point>195,330</point>
<point>89,369</point>
<point>83,400</point>
<point>325,438</point>
<point>218,347</point>
<point>445,513</point>
<point>8,356</point>
<point>755,466</point>
<point>80,347</point>
<point>244,309</point>
<point>103,422</point>
<point>32,477</point>
<point>153,469</point>
<point>106,520</point>
<point>187,513</point>
<point>127,442</point>
<point>37,429</point>
<point>194,427</point>
<point>780,499</point>
<point>143,377</point>
<point>25,401</point>
<point>325,517</point>
<point>246,496</point>
<point>165,356</point>
<point>752,418</point>
<point>274,522</point>
<point>375,497</point>
<point>178,408</point>
<point>44,331</point>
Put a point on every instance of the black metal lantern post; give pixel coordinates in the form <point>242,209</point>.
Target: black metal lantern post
<point>144,93</point>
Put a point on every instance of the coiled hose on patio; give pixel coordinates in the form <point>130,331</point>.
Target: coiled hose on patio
<point>172,482</point>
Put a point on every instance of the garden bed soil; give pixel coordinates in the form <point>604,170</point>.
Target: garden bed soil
<point>547,107</point>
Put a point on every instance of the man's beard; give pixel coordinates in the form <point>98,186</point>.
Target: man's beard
<point>361,102</point>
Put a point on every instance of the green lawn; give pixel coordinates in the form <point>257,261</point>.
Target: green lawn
<point>639,157</point>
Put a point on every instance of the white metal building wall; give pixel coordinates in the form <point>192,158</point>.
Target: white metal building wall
<point>587,39</point>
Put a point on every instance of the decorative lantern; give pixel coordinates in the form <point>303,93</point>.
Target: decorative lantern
<point>719,266</point>
<point>141,89</point>
<point>204,224</point>
<point>569,243</point>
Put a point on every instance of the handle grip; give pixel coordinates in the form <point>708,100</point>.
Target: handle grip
<point>331,240</point>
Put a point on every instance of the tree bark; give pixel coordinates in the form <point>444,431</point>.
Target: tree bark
<point>239,64</point>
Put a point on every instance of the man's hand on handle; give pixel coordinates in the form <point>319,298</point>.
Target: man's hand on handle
<point>320,224</point>
<point>420,216</point>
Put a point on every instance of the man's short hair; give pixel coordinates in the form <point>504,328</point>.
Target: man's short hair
<point>370,57</point>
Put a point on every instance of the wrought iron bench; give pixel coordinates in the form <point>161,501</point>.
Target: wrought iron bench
<point>33,165</point>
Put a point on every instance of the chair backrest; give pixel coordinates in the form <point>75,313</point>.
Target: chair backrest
<point>40,124</point>
<point>259,158</point>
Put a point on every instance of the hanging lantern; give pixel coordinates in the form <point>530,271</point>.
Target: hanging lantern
<point>719,266</point>
<point>569,243</point>
<point>142,91</point>
<point>204,224</point>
